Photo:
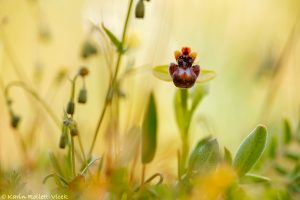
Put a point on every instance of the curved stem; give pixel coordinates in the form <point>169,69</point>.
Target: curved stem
<point>36,96</point>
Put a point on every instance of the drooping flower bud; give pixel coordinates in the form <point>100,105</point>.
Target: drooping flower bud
<point>15,121</point>
<point>140,9</point>
<point>63,137</point>
<point>71,107</point>
<point>82,97</point>
<point>73,128</point>
<point>88,49</point>
<point>83,71</point>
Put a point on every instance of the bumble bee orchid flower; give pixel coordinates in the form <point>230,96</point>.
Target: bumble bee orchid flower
<point>184,73</point>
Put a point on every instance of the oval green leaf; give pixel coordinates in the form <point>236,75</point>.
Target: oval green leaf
<point>254,179</point>
<point>162,72</point>
<point>204,157</point>
<point>250,150</point>
<point>149,132</point>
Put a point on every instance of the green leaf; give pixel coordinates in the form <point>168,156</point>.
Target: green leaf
<point>114,39</point>
<point>297,131</point>
<point>280,170</point>
<point>227,156</point>
<point>204,157</point>
<point>86,165</point>
<point>250,150</point>
<point>287,131</point>
<point>253,178</point>
<point>273,147</point>
<point>295,172</point>
<point>57,178</point>
<point>162,72</point>
<point>291,156</point>
<point>149,132</point>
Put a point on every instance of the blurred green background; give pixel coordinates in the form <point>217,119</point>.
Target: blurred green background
<point>252,45</point>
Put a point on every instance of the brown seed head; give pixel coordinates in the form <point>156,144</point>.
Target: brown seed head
<point>83,71</point>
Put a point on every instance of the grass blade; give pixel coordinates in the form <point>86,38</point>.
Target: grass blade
<point>113,39</point>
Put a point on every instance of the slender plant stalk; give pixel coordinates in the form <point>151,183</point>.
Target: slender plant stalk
<point>8,50</point>
<point>184,132</point>
<point>23,146</point>
<point>37,97</point>
<point>132,170</point>
<point>143,175</point>
<point>123,40</point>
<point>113,81</point>
<point>73,156</point>
<point>72,97</point>
<point>179,164</point>
<point>98,125</point>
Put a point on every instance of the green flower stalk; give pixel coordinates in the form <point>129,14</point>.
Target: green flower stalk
<point>185,74</point>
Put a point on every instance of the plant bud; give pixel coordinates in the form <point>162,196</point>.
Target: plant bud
<point>62,141</point>
<point>140,10</point>
<point>70,108</point>
<point>82,97</point>
<point>73,129</point>
<point>15,121</point>
<point>63,137</point>
<point>83,71</point>
<point>88,49</point>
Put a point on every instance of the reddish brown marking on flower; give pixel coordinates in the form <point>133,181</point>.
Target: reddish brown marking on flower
<point>172,68</point>
<point>184,73</point>
<point>186,50</point>
<point>196,69</point>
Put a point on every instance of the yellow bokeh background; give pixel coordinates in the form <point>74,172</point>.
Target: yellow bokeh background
<point>234,38</point>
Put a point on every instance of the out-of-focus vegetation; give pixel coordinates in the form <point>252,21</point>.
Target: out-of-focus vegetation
<point>86,112</point>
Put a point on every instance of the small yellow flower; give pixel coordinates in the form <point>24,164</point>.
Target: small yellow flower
<point>215,183</point>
